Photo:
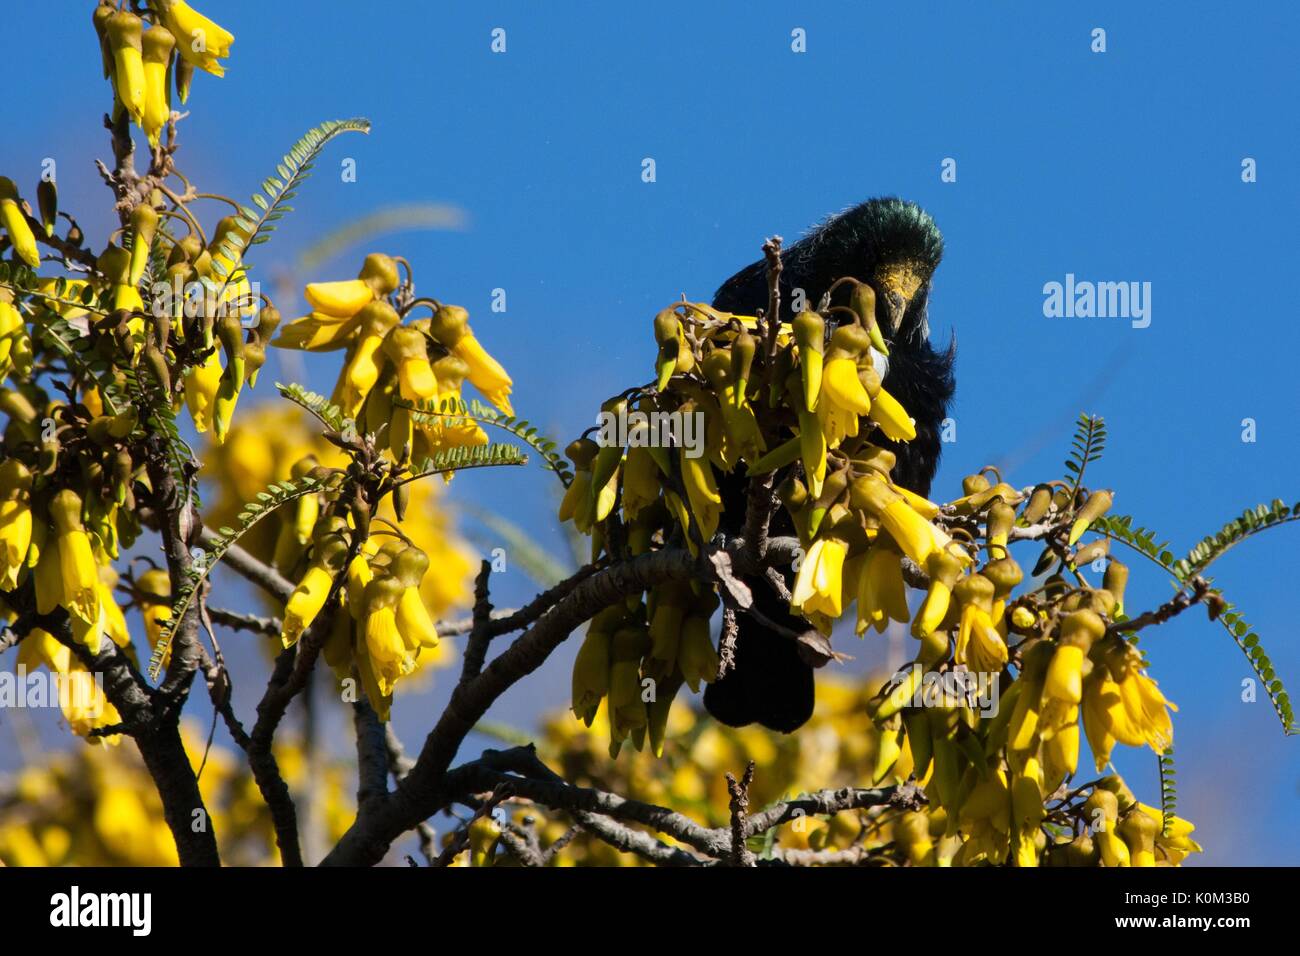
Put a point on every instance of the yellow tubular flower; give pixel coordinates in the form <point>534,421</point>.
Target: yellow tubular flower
<point>41,648</point>
<point>818,587</point>
<point>201,387</point>
<point>812,449</point>
<point>199,40</point>
<point>809,333</point>
<point>892,417</point>
<point>1105,720</point>
<point>841,385</point>
<point>576,496</point>
<point>155,606</point>
<point>15,225</point>
<point>305,603</point>
<point>11,328</point>
<point>917,537</point>
<point>702,490</point>
<point>111,619</point>
<point>158,46</point>
<point>697,658</point>
<point>448,431</point>
<point>342,299</point>
<point>1178,842</point>
<point>485,373</point>
<point>1148,710</point>
<point>407,348</point>
<point>414,622</point>
<point>389,654</point>
<point>882,595</point>
<point>15,520</point>
<point>591,669</point>
<point>413,618</point>
<point>979,645</point>
<point>926,508</point>
<point>359,576</point>
<point>943,569</point>
<point>640,481</point>
<point>450,326</point>
<point>223,406</point>
<point>626,708</point>
<point>1065,674</point>
<point>317,332</point>
<point>124,39</point>
<point>361,371</point>
<point>1061,749</point>
<point>79,589</point>
<point>1138,831</point>
<point>84,705</point>
<point>976,647</point>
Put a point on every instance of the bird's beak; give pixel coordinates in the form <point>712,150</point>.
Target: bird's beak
<point>895,309</point>
<point>899,283</point>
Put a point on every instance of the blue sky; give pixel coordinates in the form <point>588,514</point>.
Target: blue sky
<point>1115,166</point>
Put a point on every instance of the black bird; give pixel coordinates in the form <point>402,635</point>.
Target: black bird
<point>893,246</point>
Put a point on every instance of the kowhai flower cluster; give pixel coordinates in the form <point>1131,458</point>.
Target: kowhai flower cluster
<point>802,405</point>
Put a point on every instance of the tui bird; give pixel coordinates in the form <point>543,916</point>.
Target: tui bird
<point>893,246</point>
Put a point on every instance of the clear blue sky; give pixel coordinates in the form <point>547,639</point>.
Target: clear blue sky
<point>1119,166</point>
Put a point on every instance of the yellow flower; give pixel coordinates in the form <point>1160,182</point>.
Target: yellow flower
<point>702,490</point>
<point>341,299</point>
<point>485,372</point>
<point>84,705</point>
<point>1105,720</point>
<point>124,31</point>
<point>155,605</point>
<point>158,44</point>
<point>882,595</point>
<point>914,534</point>
<point>112,621</point>
<point>15,224</point>
<point>1065,674</point>
<point>15,344</point>
<point>979,645</point>
<point>390,657</point>
<point>1148,710</point>
<point>361,370</point>
<point>444,431</point>
<point>318,332</point>
<point>201,387</point>
<point>406,347</point>
<point>697,658</point>
<point>414,622</point>
<point>819,584</point>
<point>1060,743</point>
<point>199,40</point>
<point>305,603</point>
<point>843,400</point>
<point>640,481</point>
<point>79,587</point>
<point>892,417</point>
<point>15,520</point>
<point>83,702</point>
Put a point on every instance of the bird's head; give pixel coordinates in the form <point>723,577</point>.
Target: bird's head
<point>890,244</point>
<point>909,248</point>
<point>897,247</point>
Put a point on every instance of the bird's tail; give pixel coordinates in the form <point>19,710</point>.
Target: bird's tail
<point>770,683</point>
